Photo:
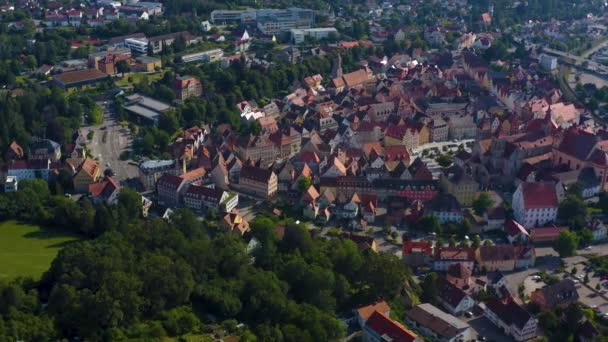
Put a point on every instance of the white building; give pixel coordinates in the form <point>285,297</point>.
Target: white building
<point>206,26</point>
<point>535,204</point>
<point>547,62</point>
<point>137,45</point>
<point>11,184</point>
<point>32,169</point>
<point>150,171</point>
<point>437,325</point>
<point>204,56</point>
<point>513,319</point>
<point>299,35</point>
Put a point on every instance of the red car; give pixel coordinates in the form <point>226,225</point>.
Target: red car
<point>604,277</point>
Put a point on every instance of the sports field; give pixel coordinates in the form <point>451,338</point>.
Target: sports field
<point>28,250</point>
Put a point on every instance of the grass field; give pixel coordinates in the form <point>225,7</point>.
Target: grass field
<point>137,77</point>
<point>28,250</point>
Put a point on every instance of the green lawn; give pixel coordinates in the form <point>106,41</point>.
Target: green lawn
<point>137,77</point>
<point>28,250</point>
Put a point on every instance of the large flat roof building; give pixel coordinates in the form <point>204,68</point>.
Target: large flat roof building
<point>80,78</point>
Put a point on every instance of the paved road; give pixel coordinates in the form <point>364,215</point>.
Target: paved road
<point>117,141</point>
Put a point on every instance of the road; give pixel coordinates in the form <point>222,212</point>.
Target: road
<point>117,141</point>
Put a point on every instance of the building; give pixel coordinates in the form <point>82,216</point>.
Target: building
<point>170,188</point>
<point>187,86</point>
<point>11,184</point>
<point>512,318</point>
<point>445,208</point>
<point>208,56</point>
<point>44,149</point>
<point>505,257</point>
<point>137,45</point>
<point>459,275</point>
<point>88,172</point>
<point>437,325</point>
<point>516,233</point>
<point>29,169</point>
<point>535,204</point>
<point>445,257</point>
<point>146,110</point>
<point>201,199</point>
<point>150,171</point>
<point>238,16</point>
<point>299,35</point>
<point>381,328</point>
<point>234,222</point>
<point>364,312</point>
<point>106,61</point>
<point>560,294</point>
<point>274,21</point>
<point>547,62</point>
<point>79,78</point>
<point>106,191</point>
<point>148,64</point>
<point>454,180</point>
<point>546,234</point>
<point>258,182</point>
<point>452,298</point>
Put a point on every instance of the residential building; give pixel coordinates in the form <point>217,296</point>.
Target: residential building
<point>44,149</point>
<point>151,170</point>
<point>147,64</point>
<point>381,328</point>
<point>234,222</point>
<point>258,182</point>
<point>170,188</point>
<point>187,86</point>
<point>88,172</point>
<point>437,325</point>
<point>505,257</point>
<point>452,298</point>
<point>516,233</point>
<point>546,234</point>
<point>445,208</point>
<point>208,56</point>
<point>535,204</point>
<point>299,35</point>
<point>445,257</point>
<point>512,318</point>
<point>29,169</point>
<point>11,184</point>
<point>106,191</point>
<point>201,199</point>
<point>560,294</point>
<point>456,181</point>
<point>547,62</point>
<point>14,152</point>
<point>364,312</point>
<point>459,275</point>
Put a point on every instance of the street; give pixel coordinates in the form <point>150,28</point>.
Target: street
<point>107,151</point>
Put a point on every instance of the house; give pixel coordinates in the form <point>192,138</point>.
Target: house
<point>497,257</point>
<point>170,187</point>
<point>380,328</point>
<point>437,325</point>
<point>560,294</point>
<point>447,256</point>
<point>88,172</point>
<point>598,228</point>
<point>187,86</point>
<point>535,204</point>
<point>452,298</point>
<point>455,181</point>
<point>512,318</point>
<point>459,275</point>
<point>150,171</point>
<point>546,234</point>
<point>234,222</point>
<point>364,312</point>
<point>11,184</point>
<point>201,199</point>
<point>445,208</point>
<point>496,280</point>
<point>44,149</point>
<point>13,152</point>
<point>589,182</point>
<point>516,233</point>
<point>258,182</point>
<point>106,191</point>
<point>29,169</point>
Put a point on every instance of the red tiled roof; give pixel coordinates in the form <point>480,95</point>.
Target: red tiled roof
<point>513,228</point>
<point>366,311</point>
<point>383,325</point>
<point>539,195</point>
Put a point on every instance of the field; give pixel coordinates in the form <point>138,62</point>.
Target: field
<point>137,77</point>
<point>28,250</point>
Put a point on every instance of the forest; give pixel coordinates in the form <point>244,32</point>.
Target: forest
<point>135,278</point>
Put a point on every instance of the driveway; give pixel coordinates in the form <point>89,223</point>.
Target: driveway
<point>107,151</point>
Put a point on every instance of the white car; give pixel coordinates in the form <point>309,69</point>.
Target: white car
<point>536,277</point>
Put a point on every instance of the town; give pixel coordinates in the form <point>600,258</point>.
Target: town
<point>369,171</point>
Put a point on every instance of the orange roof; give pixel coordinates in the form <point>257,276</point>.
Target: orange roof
<point>366,311</point>
<point>196,173</point>
<point>90,166</point>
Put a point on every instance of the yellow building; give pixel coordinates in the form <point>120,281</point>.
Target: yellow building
<point>148,64</point>
<point>88,172</point>
<point>455,181</point>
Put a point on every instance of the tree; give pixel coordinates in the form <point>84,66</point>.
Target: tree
<point>574,270</point>
<point>304,183</point>
<point>585,237</point>
<point>464,244</point>
<point>122,67</point>
<point>573,211</point>
<point>476,241</point>
<point>444,160</point>
<point>566,244</point>
<point>452,242</point>
<point>430,290</point>
<point>131,201</point>
<point>428,223</point>
<point>482,203</point>
<point>548,320</point>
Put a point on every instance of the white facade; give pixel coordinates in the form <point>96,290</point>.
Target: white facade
<point>443,265</point>
<point>137,45</point>
<point>465,305</point>
<point>547,62</point>
<point>531,217</point>
<point>447,216</point>
<point>526,333</point>
<point>205,56</point>
<point>299,35</point>
<point>11,184</point>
